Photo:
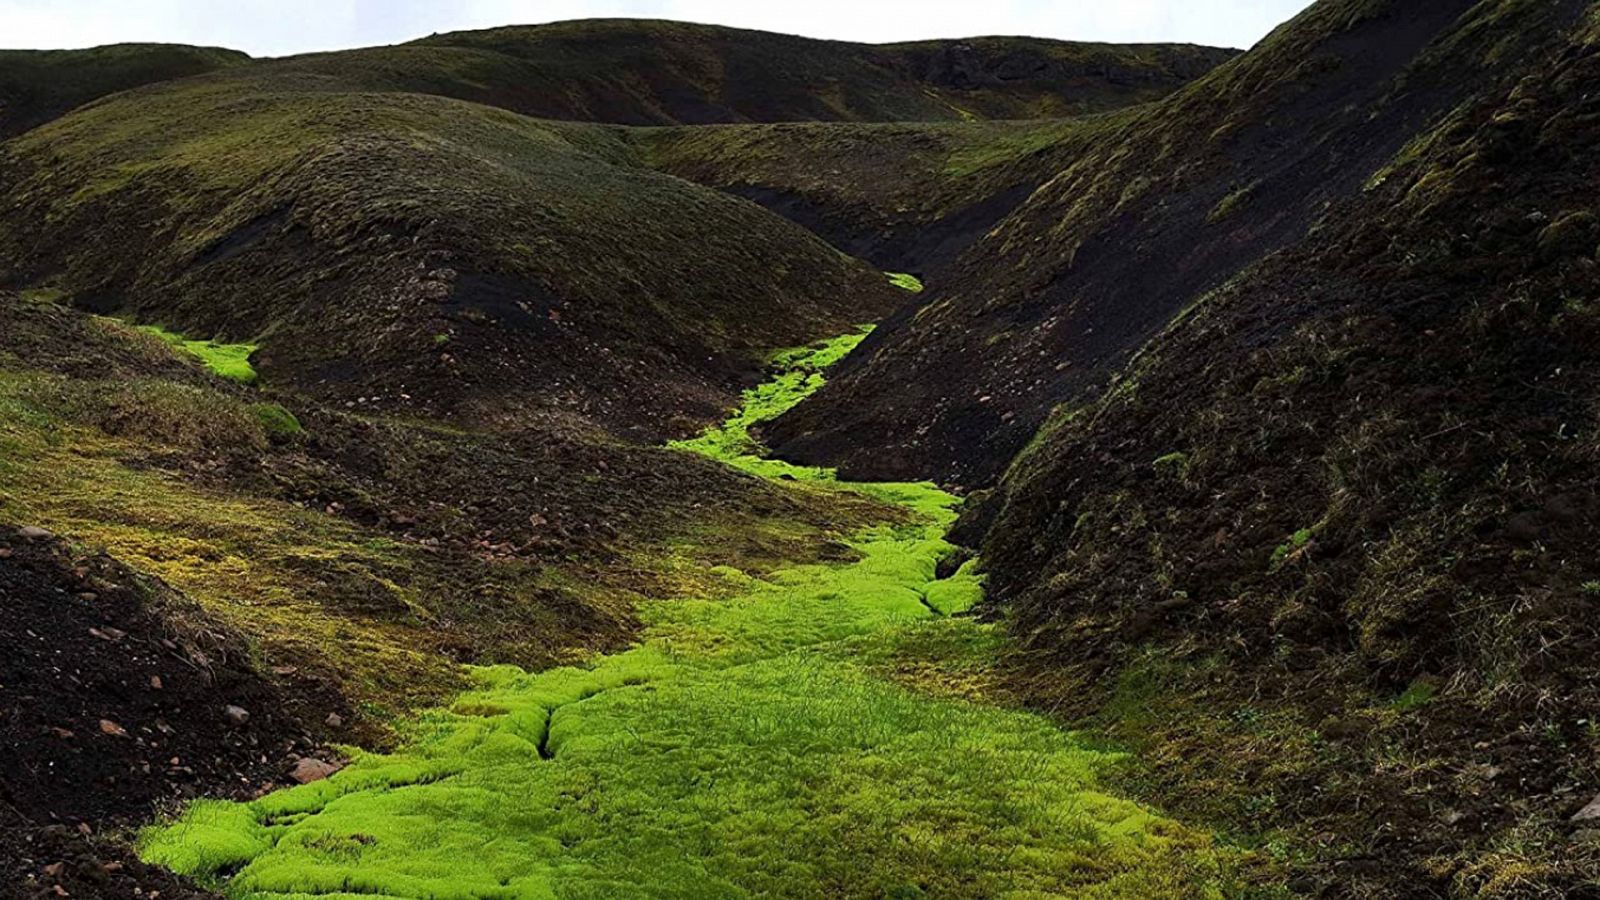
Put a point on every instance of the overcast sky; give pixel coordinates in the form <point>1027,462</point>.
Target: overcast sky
<point>281,27</point>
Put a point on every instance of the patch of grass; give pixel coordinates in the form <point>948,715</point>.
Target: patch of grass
<point>1419,694</point>
<point>1297,541</point>
<point>230,361</point>
<point>277,421</point>
<point>748,746</point>
<point>1229,205</point>
<point>906,282</point>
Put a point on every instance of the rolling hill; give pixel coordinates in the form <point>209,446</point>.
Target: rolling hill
<point>1282,389</point>
<point>39,85</point>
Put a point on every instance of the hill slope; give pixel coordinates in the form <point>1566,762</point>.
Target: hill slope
<point>906,197</point>
<point>39,85</point>
<point>419,253</point>
<point>642,72</point>
<point>1162,208</point>
<point>1319,550</point>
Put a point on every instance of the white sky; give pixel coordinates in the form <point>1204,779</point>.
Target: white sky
<point>281,27</point>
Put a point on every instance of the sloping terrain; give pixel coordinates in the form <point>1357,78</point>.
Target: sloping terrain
<point>643,72</point>
<point>1307,521</point>
<point>327,572</point>
<point>420,255</point>
<point>39,85</point>
<point>1164,207</point>
<point>1359,479</point>
<point>905,197</point>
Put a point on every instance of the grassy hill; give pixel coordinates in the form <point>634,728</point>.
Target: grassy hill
<point>906,197</point>
<point>1165,205</point>
<point>1287,389</point>
<point>39,85</point>
<point>644,72</point>
<point>420,254</point>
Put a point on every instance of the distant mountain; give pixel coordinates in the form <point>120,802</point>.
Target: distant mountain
<point>644,72</point>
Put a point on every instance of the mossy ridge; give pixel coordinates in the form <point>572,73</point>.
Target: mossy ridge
<point>745,747</point>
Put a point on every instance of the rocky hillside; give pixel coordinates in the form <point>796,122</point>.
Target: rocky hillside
<point>1306,521</point>
<point>1165,206</point>
<point>905,197</point>
<point>39,85</point>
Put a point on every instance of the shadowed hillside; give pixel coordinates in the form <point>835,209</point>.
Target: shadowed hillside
<point>906,197</point>
<point>641,72</point>
<point>39,85</point>
<point>1164,207</point>
<point>418,253</point>
<point>1307,520</point>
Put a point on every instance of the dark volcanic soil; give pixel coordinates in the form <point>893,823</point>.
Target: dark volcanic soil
<point>1067,288</point>
<point>114,705</point>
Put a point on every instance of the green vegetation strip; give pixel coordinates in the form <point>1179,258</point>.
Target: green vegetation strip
<point>231,361</point>
<point>749,745</point>
<point>906,282</point>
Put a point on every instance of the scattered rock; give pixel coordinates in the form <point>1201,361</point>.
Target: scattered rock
<point>108,634</point>
<point>35,533</point>
<point>155,682</point>
<point>109,727</point>
<point>237,716</point>
<point>310,769</point>
<point>1590,813</point>
<point>335,720</point>
<point>6,552</point>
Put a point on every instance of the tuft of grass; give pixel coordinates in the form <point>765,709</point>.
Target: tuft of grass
<point>906,282</point>
<point>747,746</point>
<point>277,421</point>
<point>1230,204</point>
<point>1297,541</point>
<point>230,361</point>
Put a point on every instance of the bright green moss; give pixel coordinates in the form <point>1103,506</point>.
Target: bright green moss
<point>747,746</point>
<point>231,361</point>
<point>906,282</point>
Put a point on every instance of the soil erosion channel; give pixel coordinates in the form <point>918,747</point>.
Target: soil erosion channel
<point>803,734</point>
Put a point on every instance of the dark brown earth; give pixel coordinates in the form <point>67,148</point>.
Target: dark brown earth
<point>1095,263</point>
<point>115,694</point>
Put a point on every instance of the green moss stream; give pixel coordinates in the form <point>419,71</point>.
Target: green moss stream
<point>750,745</point>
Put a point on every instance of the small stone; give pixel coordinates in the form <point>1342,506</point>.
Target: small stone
<point>1590,813</point>
<point>236,716</point>
<point>335,720</point>
<point>88,596</point>
<point>6,552</point>
<point>155,682</point>
<point>55,869</point>
<point>310,769</point>
<point>35,533</point>
<point>108,634</point>
<point>109,727</point>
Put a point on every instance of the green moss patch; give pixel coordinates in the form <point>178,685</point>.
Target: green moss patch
<point>230,361</point>
<point>747,746</point>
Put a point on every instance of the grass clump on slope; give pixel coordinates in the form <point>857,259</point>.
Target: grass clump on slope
<point>746,746</point>
<point>230,361</point>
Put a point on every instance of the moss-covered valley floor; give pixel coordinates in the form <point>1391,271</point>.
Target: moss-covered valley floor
<point>817,732</point>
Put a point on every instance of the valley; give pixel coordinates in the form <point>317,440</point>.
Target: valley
<point>627,458</point>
